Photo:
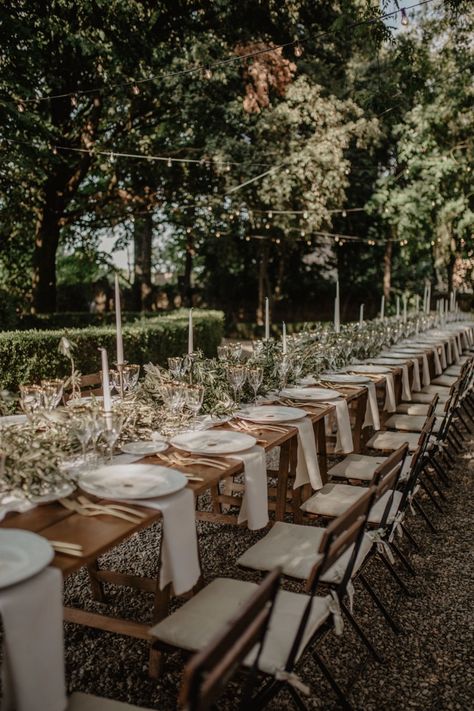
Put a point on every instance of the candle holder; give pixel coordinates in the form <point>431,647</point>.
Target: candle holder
<point>188,361</point>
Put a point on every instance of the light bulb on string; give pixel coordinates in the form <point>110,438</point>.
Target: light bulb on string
<point>278,240</point>
<point>207,73</point>
<point>21,107</point>
<point>344,213</point>
<point>404,21</point>
<point>169,163</point>
<point>298,50</point>
<point>267,226</point>
<point>135,89</point>
<point>305,215</point>
<point>74,101</point>
<point>270,214</point>
<point>247,239</point>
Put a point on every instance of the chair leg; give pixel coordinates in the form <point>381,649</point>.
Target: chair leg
<point>335,686</point>
<point>404,560</point>
<point>378,602</point>
<point>410,537</point>
<point>298,702</point>
<point>376,655</point>
<point>424,515</point>
<point>266,693</point>
<point>395,576</point>
<point>432,498</point>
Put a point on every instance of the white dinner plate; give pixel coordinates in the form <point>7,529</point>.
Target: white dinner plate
<point>376,369</point>
<point>132,481</point>
<point>145,447</point>
<point>345,378</point>
<point>322,394</point>
<point>22,555</point>
<point>270,413</point>
<point>213,442</point>
<point>389,361</point>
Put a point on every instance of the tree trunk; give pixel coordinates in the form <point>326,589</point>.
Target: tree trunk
<point>387,269</point>
<point>44,262</point>
<point>262,284</point>
<point>142,242</point>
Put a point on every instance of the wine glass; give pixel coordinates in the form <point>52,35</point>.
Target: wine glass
<point>237,375</point>
<point>194,395</point>
<point>223,352</point>
<point>81,428</point>
<point>255,379</point>
<point>114,376</point>
<point>97,427</point>
<point>283,369</point>
<point>55,391</point>
<point>131,373</point>
<point>31,400</point>
<point>112,426</point>
<point>175,366</point>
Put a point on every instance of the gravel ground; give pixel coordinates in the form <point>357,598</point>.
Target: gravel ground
<point>426,668</point>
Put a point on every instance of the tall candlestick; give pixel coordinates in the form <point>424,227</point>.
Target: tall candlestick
<point>428,300</point>
<point>283,339</point>
<point>190,333</point>
<point>361,316</point>
<point>267,318</point>
<point>398,307</point>
<point>118,323</point>
<point>382,307</point>
<point>417,303</point>
<point>106,381</point>
<point>404,308</point>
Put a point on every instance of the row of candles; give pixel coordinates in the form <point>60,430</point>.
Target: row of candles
<point>442,309</point>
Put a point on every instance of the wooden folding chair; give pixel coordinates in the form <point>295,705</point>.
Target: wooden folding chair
<point>208,672</point>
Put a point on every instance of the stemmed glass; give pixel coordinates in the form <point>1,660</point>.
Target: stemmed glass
<point>175,366</point>
<point>97,427</point>
<point>193,396</point>
<point>81,428</point>
<point>112,426</point>
<point>223,352</point>
<point>114,377</point>
<point>31,400</point>
<point>52,392</point>
<point>254,379</point>
<point>237,375</point>
<point>131,373</point>
<point>284,367</point>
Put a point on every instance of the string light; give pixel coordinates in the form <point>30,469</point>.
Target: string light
<point>207,73</point>
<point>169,163</point>
<point>298,50</point>
<point>404,21</point>
<point>74,101</point>
<point>135,89</point>
<point>196,68</point>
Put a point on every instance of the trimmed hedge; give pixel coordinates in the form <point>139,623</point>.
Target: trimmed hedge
<point>28,356</point>
<point>82,319</point>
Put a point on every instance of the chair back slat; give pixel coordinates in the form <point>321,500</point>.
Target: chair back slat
<point>208,672</point>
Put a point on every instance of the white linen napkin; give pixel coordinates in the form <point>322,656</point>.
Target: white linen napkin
<point>437,361</point>
<point>390,404</point>
<point>372,416</point>
<point>33,669</point>
<point>344,442</point>
<point>406,394</point>
<point>254,508</point>
<point>426,371</point>
<point>449,351</point>
<point>444,362</point>
<point>455,351</point>
<point>307,467</point>
<point>416,384</point>
<point>179,547</point>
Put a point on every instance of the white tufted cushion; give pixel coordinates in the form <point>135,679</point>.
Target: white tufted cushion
<point>441,390</point>
<point>356,466</point>
<point>377,511</point>
<point>390,441</point>
<point>195,624</point>
<point>86,702</point>
<point>409,423</point>
<point>445,380</point>
<point>333,499</point>
<point>453,370</point>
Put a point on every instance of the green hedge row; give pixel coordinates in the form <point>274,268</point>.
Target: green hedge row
<point>81,319</point>
<point>28,356</point>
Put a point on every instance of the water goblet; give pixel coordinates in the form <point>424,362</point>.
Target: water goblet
<point>254,379</point>
<point>223,352</point>
<point>193,396</point>
<point>81,428</point>
<point>283,371</point>
<point>56,388</point>
<point>175,366</point>
<point>112,426</point>
<point>31,400</point>
<point>237,375</point>
<point>131,373</point>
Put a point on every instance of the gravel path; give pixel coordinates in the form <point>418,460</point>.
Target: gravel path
<point>428,668</point>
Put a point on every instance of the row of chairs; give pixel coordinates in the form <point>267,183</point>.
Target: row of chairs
<point>366,504</point>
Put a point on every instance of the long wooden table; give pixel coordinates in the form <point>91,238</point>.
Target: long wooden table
<point>100,534</point>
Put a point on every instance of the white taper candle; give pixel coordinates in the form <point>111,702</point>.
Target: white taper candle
<point>118,323</point>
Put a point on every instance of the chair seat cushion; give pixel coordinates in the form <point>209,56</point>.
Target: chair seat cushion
<point>356,466</point>
<point>294,548</point>
<point>409,423</point>
<point>453,370</point>
<point>86,702</point>
<point>441,390</point>
<point>195,624</point>
<point>377,511</point>
<point>426,397</point>
<point>333,499</point>
<point>418,408</point>
<point>390,441</point>
<point>445,380</point>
